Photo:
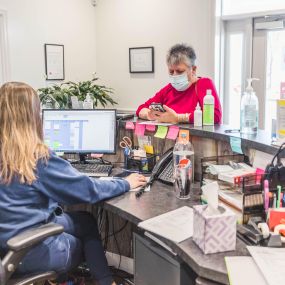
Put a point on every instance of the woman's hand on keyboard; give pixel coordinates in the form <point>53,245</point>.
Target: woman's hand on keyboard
<point>135,180</point>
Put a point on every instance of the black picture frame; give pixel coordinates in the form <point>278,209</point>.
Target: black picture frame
<point>141,59</point>
<point>54,61</point>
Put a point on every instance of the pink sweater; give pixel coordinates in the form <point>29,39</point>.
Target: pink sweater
<point>185,101</point>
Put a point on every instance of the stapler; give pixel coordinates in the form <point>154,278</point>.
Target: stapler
<point>251,232</point>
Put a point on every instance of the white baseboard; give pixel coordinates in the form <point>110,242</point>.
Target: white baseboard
<point>127,263</point>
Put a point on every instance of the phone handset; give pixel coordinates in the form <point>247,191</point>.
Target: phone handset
<point>158,168</point>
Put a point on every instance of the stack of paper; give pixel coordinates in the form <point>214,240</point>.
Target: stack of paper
<point>176,225</point>
<point>265,267</point>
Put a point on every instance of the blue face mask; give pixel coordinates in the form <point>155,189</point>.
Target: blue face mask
<point>179,82</point>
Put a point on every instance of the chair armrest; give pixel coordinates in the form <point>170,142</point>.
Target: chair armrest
<point>2,274</point>
<point>33,236</point>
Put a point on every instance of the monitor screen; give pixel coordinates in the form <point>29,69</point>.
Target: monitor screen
<point>80,131</point>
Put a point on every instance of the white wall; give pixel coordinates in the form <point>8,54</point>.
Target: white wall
<point>159,23</point>
<point>32,23</point>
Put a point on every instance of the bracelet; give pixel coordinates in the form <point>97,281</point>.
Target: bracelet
<point>183,118</point>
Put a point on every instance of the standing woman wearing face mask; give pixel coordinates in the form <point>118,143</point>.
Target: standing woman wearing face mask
<point>180,97</point>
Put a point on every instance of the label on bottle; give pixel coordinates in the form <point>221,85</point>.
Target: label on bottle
<point>250,116</point>
<point>208,114</point>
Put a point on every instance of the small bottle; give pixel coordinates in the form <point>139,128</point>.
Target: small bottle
<point>208,109</point>
<point>88,102</point>
<point>249,110</point>
<point>198,116</point>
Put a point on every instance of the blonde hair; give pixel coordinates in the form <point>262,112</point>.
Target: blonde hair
<point>21,133</point>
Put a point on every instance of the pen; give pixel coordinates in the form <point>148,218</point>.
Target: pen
<point>274,201</point>
<point>278,196</point>
<point>232,131</point>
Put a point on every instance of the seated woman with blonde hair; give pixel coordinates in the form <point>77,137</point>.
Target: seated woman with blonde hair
<point>33,180</point>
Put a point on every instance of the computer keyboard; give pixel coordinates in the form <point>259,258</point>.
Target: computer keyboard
<point>94,169</point>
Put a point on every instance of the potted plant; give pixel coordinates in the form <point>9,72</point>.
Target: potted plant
<point>59,96</point>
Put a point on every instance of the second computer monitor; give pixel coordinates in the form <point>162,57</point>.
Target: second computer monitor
<point>80,131</point>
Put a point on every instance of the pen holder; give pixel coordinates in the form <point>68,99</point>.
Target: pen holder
<point>142,164</point>
<point>216,233</point>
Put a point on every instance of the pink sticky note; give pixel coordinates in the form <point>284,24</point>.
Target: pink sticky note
<point>130,125</point>
<point>139,130</point>
<point>172,132</point>
<point>150,128</point>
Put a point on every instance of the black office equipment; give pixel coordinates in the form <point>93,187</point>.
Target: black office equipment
<point>162,171</point>
<point>124,116</point>
<point>156,265</point>
<point>94,169</point>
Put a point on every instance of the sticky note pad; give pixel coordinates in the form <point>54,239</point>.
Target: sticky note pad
<point>172,132</point>
<point>236,145</point>
<point>150,128</point>
<point>130,125</point>
<point>161,132</point>
<point>149,149</point>
<point>139,130</point>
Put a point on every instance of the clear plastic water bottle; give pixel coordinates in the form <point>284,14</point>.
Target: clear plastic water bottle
<point>88,102</point>
<point>183,158</point>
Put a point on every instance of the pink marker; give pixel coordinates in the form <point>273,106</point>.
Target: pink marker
<point>266,195</point>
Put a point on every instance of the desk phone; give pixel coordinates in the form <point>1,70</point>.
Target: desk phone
<point>163,170</point>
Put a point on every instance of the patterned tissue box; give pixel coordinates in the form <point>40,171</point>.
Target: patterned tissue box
<point>215,233</point>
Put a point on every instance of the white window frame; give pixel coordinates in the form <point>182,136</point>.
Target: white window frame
<point>4,52</point>
<point>257,70</point>
<point>259,63</point>
<point>243,26</point>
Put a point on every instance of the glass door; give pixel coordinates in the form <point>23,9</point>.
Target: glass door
<point>269,66</point>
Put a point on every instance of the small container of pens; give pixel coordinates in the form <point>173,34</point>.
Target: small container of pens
<point>142,164</point>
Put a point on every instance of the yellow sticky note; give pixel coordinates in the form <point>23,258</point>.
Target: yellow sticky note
<point>149,149</point>
<point>161,132</point>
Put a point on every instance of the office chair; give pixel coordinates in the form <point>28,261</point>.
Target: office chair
<point>18,247</point>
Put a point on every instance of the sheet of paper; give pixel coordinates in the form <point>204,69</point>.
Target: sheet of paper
<point>236,145</point>
<point>130,125</point>
<point>243,270</point>
<point>161,132</point>
<point>155,123</point>
<point>271,262</point>
<point>150,128</point>
<point>172,132</point>
<point>139,130</point>
<point>176,225</point>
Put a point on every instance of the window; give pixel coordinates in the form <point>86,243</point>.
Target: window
<point>254,46</point>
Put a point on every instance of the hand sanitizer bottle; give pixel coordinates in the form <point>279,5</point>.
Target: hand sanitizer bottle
<point>249,110</point>
<point>88,102</point>
<point>208,109</point>
<point>198,116</point>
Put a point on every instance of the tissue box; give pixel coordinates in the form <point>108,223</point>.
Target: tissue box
<point>215,233</point>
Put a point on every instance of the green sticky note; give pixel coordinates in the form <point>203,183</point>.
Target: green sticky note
<point>236,145</point>
<point>161,132</point>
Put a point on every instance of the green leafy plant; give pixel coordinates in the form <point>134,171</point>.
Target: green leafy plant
<point>61,95</point>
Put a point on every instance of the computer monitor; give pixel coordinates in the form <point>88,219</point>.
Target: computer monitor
<point>80,131</point>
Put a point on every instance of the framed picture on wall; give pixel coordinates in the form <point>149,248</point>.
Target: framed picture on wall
<point>54,61</point>
<point>141,59</point>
